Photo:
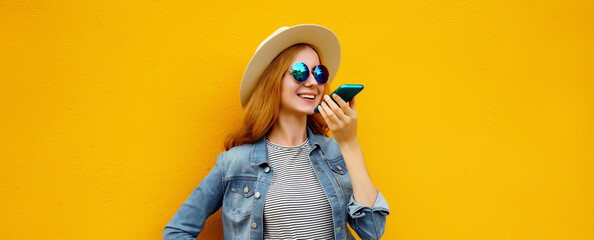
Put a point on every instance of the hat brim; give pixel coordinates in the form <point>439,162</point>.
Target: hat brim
<point>321,38</point>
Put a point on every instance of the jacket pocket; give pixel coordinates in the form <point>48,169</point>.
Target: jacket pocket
<point>242,192</point>
<point>340,173</point>
<point>337,165</point>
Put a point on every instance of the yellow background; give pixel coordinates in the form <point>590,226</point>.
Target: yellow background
<point>477,118</point>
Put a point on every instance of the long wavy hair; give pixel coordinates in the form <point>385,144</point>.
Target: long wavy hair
<point>262,110</point>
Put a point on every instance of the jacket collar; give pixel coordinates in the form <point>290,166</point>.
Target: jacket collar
<point>315,140</point>
<point>260,154</point>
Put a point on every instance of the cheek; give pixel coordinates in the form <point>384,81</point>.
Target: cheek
<point>285,85</point>
<point>321,93</point>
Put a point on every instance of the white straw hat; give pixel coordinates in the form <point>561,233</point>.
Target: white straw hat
<point>321,38</point>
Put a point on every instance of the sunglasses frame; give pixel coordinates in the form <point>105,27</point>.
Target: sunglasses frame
<point>323,72</point>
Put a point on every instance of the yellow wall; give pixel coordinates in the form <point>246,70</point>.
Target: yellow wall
<point>477,118</point>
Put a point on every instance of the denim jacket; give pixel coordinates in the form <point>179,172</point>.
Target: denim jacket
<point>241,178</point>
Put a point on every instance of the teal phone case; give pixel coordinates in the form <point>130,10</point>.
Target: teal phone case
<point>347,92</point>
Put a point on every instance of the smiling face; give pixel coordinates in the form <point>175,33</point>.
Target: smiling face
<point>301,98</point>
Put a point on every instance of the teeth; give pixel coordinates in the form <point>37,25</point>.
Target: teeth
<point>307,96</point>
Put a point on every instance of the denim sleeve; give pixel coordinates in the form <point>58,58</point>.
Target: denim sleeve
<point>368,223</point>
<point>205,200</point>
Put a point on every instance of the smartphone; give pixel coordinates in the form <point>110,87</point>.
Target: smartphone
<point>346,92</point>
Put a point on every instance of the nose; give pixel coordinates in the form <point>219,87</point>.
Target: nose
<point>311,81</point>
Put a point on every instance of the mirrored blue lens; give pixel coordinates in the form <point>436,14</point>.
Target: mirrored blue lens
<point>300,72</point>
<point>321,74</point>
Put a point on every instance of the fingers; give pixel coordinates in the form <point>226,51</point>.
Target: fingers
<point>328,115</point>
<point>337,117</point>
<point>339,111</point>
<point>335,108</point>
<point>343,105</point>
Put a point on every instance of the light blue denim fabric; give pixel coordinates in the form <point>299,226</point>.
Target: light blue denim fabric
<point>240,180</point>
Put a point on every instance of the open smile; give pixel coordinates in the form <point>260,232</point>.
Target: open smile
<point>307,96</point>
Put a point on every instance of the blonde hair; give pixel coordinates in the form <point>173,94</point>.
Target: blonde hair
<point>262,110</point>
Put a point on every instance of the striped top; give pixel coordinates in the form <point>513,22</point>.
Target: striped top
<point>296,206</point>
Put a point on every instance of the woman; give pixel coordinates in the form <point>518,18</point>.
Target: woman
<point>281,177</point>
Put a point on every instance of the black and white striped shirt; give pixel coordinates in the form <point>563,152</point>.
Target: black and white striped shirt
<point>296,206</point>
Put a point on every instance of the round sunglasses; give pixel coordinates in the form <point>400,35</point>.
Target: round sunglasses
<point>300,73</point>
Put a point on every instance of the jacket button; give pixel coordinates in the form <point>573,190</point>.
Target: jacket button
<point>246,190</point>
<point>254,225</point>
<point>257,194</point>
<point>267,169</point>
<point>339,168</point>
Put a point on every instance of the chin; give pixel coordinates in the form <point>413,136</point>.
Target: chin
<point>306,110</point>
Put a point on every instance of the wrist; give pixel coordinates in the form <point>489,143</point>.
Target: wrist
<point>349,145</point>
